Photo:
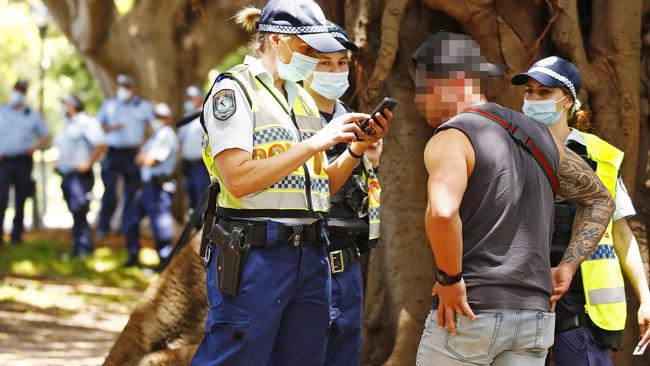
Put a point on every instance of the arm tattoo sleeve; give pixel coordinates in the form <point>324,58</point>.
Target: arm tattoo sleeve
<point>579,183</point>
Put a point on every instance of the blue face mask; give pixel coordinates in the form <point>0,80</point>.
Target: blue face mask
<point>543,111</point>
<point>331,85</point>
<point>17,98</point>
<point>299,68</point>
<point>189,107</point>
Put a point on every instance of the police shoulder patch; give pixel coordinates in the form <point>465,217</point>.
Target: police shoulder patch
<point>224,104</point>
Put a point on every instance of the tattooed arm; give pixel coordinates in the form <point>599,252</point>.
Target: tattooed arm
<point>580,184</point>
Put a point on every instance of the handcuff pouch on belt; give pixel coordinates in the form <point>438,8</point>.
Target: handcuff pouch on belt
<point>234,247</point>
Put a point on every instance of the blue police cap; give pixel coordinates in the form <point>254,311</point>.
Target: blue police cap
<point>341,35</point>
<point>21,85</point>
<point>447,51</point>
<point>73,101</point>
<point>125,80</point>
<point>554,72</point>
<point>302,18</point>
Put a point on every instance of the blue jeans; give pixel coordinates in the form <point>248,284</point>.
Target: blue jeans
<point>76,188</point>
<point>279,316</point>
<point>503,337</point>
<point>344,341</point>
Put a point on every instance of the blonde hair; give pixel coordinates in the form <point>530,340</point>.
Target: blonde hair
<point>248,17</point>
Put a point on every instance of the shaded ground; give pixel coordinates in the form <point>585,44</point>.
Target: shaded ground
<point>60,311</point>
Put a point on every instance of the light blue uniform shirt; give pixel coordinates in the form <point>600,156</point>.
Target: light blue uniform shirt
<point>80,136</point>
<point>163,147</point>
<point>191,138</point>
<point>133,114</point>
<point>18,128</point>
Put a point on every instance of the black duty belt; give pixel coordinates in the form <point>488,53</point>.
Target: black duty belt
<point>16,158</point>
<point>605,339</point>
<point>571,322</point>
<point>342,259</point>
<point>112,149</point>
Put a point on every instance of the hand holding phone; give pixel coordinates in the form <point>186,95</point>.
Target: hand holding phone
<point>387,103</point>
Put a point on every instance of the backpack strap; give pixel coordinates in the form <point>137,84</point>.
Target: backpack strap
<point>525,141</point>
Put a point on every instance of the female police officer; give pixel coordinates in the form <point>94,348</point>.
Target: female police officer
<point>591,315</point>
<point>268,280</point>
<point>354,214</point>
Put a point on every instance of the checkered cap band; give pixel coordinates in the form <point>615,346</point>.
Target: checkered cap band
<point>604,251</point>
<point>559,78</point>
<point>272,135</point>
<point>284,29</point>
<point>339,35</point>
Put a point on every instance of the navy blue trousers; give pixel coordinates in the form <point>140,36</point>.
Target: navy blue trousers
<point>280,316</point>
<point>344,341</point>
<point>117,163</point>
<point>577,347</point>
<point>76,189</point>
<point>197,181</point>
<point>156,203</point>
<point>15,172</point>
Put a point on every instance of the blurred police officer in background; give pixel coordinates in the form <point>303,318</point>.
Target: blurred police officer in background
<point>81,143</point>
<point>190,135</point>
<point>157,162</point>
<point>352,230</point>
<point>18,127</point>
<point>123,118</point>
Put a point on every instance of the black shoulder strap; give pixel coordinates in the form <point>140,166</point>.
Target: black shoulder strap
<point>525,141</point>
<point>222,76</point>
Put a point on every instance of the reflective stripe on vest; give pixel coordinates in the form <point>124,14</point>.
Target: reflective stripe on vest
<point>274,133</point>
<point>374,198</point>
<point>601,273</point>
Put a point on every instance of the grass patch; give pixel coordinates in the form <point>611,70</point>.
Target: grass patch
<point>50,259</point>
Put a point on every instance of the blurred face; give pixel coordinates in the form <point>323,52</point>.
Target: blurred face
<point>334,62</point>
<point>534,90</point>
<point>69,110</point>
<point>439,99</point>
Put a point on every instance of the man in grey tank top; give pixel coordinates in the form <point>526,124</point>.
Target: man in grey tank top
<point>493,177</point>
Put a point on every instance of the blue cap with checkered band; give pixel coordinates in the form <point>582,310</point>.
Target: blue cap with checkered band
<point>302,18</point>
<point>554,72</point>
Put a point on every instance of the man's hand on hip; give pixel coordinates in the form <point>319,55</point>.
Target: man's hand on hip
<point>452,300</point>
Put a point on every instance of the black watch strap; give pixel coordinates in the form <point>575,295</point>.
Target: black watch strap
<point>447,280</point>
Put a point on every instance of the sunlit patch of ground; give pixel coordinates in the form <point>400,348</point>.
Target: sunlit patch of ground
<point>55,310</point>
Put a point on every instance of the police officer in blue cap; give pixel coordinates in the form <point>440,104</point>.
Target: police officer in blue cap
<point>268,279</point>
<point>353,225</point>
<point>123,118</point>
<point>81,143</point>
<point>18,126</point>
<point>190,135</point>
<point>157,162</point>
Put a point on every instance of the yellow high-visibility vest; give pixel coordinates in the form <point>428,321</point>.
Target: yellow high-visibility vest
<point>374,199</point>
<point>601,273</point>
<point>301,193</point>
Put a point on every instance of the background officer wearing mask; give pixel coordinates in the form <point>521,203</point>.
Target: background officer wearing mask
<point>268,278</point>
<point>350,231</point>
<point>591,316</point>
<point>18,127</point>
<point>81,143</point>
<point>190,135</point>
<point>157,162</point>
<point>123,118</point>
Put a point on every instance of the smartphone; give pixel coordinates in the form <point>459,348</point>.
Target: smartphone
<point>387,103</point>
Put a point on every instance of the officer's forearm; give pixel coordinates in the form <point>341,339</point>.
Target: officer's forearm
<point>97,153</point>
<point>340,169</point>
<point>43,143</point>
<point>627,250</point>
<point>243,176</point>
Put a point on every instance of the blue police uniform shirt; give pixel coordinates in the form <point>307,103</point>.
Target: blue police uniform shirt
<point>163,147</point>
<point>80,136</point>
<point>191,138</point>
<point>18,128</point>
<point>133,115</point>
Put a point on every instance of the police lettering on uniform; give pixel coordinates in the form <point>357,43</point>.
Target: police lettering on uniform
<point>19,125</point>
<point>190,135</point>
<point>123,118</point>
<point>268,279</point>
<point>591,316</point>
<point>81,143</point>
<point>157,161</point>
<point>354,214</point>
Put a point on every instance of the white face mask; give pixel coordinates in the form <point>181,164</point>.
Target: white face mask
<point>124,94</point>
<point>157,124</point>
<point>331,85</point>
<point>299,68</point>
<point>543,111</point>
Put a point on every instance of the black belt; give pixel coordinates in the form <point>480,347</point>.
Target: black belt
<point>112,149</point>
<point>192,162</point>
<point>342,259</point>
<point>571,322</point>
<point>286,234</point>
<point>15,158</point>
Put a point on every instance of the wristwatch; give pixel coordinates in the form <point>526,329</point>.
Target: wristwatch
<point>447,280</point>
